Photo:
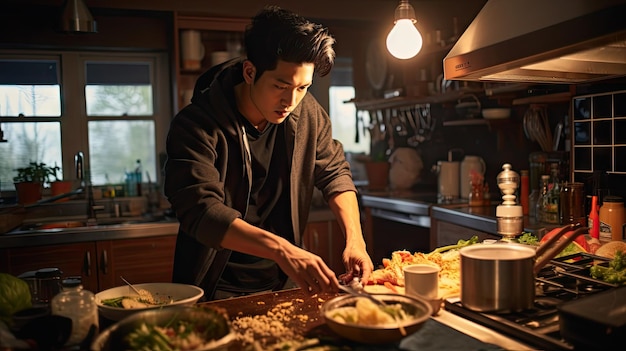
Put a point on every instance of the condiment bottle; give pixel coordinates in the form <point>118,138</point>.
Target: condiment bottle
<point>80,306</point>
<point>612,218</point>
<point>524,191</point>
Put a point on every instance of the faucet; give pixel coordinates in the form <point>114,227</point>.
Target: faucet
<point>84,188</point>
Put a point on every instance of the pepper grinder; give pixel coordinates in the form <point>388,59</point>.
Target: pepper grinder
<point>509,215</point>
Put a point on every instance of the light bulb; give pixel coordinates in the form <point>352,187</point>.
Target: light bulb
<point>404,41</point>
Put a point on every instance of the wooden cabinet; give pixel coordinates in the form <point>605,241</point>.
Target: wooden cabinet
<point>217,35</point>
<point>100,264</point>
<point>325,239</point>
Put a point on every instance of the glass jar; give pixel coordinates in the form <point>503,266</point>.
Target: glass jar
<point>612,218</point>
<point>80,306</point>
<point>48,283</point>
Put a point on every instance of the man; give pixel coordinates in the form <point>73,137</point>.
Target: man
<point>243,159</point>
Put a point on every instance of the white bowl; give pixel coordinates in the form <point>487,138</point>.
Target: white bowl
<point>181,294</point>
<point>496,113</point>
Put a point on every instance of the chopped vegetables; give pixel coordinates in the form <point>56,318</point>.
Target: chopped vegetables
<point>144,299</point>
<point>615,273</point>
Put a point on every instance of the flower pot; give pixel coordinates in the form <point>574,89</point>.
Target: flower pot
<point>377,175</point>
<point>28,192</point>
<point>61,187</point>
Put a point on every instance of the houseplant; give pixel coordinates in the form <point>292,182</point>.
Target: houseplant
<point>30,180</point>
<point>377,166</point>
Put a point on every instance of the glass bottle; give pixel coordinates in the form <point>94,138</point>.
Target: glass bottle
<point>80,306</point>
<point>551,201</point>
<point>524,195</point>
<point>543,194</point>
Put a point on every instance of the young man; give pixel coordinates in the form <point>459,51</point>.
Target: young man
<point>243,159</point>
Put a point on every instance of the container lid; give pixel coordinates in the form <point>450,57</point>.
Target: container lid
<point>71,282</point>
<point>48,273</point>
<point>612,198</point>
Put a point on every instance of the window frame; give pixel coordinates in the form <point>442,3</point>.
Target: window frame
<point>74,119</point>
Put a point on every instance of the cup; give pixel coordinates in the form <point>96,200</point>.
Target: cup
<point>571,206</point>
<point>192,50</point>
<point>421,280</point>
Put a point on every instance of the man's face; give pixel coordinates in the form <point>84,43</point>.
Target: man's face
<point>277,93</point>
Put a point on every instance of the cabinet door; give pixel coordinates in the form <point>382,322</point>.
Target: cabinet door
<point>326,240</point>
<point>77,259</point>
<point>142,260</point>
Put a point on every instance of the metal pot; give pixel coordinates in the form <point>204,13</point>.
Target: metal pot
<point>500,277</point>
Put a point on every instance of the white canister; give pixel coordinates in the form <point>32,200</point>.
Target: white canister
<point>448,180</point>
<point>470,163</point>
<point>192,50</point>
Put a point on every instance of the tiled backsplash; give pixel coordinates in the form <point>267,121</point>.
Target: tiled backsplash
<point>599,155</point>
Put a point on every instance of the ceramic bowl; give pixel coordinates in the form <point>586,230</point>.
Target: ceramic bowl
<point>210,319</point>
<point>180,294</point>
<point>419,310</point>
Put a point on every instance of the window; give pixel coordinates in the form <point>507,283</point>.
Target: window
<point>114,108</point>
<point>346,127</point>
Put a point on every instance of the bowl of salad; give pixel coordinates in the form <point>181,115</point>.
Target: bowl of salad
<point>178,328</point>
<point>120,302</point>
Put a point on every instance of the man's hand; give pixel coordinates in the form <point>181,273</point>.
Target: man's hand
<point>358,264</point>
<point>307,269</point>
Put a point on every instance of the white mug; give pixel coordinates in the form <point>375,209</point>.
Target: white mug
<point>421,280</point>
<point>192,50</point>
<point>448,179</point>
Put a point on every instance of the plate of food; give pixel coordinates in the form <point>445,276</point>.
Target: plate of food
<point>122,301</point>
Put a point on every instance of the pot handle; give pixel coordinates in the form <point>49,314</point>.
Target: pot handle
<point>546,252</point>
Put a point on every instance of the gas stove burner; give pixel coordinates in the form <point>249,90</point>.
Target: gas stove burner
<point>547,302</point>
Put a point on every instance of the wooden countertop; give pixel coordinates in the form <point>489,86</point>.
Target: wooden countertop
<point>304,320</point>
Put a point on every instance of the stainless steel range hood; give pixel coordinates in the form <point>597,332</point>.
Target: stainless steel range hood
<point>542,41</point>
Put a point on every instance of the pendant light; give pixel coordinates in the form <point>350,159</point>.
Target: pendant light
<point>404,40</point>
<point>76,18</point>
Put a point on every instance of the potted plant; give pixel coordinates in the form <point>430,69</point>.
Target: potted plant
<point>377,167</point>
<point>30,180</point>
<point>59,186</point>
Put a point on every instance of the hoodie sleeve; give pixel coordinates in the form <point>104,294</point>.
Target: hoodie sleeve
<point>194,184</point>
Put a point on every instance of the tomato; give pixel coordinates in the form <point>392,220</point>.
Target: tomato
<point>580,240</point>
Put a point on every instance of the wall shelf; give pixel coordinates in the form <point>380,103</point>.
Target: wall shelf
<point>403,101</point>
<point>544,99</point>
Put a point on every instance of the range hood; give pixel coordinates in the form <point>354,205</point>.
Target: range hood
<point>542,41</point>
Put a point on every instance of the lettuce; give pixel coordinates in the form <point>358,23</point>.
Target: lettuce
<point>14,296</point>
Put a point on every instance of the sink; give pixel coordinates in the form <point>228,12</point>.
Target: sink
<point>62,225</point>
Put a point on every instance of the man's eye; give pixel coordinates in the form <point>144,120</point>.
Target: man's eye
<point>280,87</point>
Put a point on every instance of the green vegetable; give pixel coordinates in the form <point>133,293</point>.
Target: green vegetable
<point>615,273</point>
<point>459,244</point>
<point>14,296</point>
<point>528,239</point>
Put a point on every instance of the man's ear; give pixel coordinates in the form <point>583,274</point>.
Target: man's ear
<point>249,72</point>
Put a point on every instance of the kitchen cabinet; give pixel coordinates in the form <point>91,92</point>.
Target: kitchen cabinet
<point>216,33</point>
<point>99,263</point>
<point>325,239</point>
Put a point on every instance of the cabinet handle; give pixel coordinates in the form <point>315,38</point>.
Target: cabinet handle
<point>105,262</point>
<point>88,263</point>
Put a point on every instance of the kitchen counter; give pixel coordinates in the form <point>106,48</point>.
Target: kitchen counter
<point>442,332</point>
<point>128,228</point>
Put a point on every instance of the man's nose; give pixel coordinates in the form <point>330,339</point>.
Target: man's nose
<point>290,98</point>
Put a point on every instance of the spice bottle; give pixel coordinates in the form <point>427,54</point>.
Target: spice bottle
<point>612,218</point>
<point>80,306</point>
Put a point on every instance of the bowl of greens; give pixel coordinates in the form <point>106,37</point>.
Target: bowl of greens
<point>122,301</point>
<point>177,328</point>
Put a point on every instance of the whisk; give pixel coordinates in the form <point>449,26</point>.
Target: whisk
<point>536,126</point>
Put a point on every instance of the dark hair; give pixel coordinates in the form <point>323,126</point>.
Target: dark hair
<point>277,34</point>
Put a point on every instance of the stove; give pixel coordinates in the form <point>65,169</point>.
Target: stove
<point>563,279</point>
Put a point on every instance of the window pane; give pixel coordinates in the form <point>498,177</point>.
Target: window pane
<point>29,88</point>
<point>343,120</point>
<point>118,89</point>
<point>28,142</point>
<point>115,146</point>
